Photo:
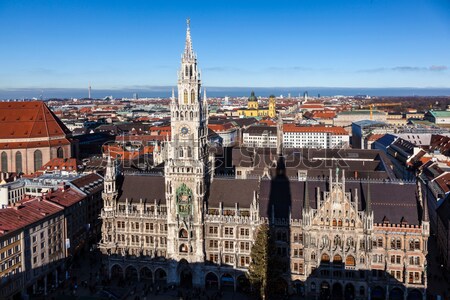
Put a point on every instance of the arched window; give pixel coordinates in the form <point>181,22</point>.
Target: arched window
<point>192,115</point>
<point>18,162</point>
<point>337,259</point>
<point>325,258</point>
<point>190,71</point>
<point>416,244</point>
<point>334,222</point>
<point>37,160</point>
<point>313,256</point>
<point>192,96</point>
<point>361,259</point>
<point>184,248</point>
<point>350,261</point>
<point>185,97</point>
<point>183,234</point>
<point>181,151</point>
<point>186,73</point>
<point>60,153</point>
<point>340,223</point>
<point>189,151</point>
<point>4,160</point>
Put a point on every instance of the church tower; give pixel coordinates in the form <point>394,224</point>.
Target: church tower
<point>272,107</point>
<point>187,168</point>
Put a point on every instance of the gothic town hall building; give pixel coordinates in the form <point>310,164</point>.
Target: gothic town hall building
<point>344,226</point>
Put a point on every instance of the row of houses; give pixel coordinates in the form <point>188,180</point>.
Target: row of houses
<point>44,222</point>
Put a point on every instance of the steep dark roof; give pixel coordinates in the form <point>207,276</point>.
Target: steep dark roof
<point>142,186</point>
<point>231,191</point>
<point>260,129</point>
<point>390,200</point>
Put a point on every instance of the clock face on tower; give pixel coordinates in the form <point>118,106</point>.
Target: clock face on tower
<point>184,130</point>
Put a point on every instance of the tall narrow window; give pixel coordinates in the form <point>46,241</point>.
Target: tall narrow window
<point>37,160</point>
<point>18,162</point>
<point>192,97</point>
<point>4,162</point>
<point>185,97</point>
<point>60,153</point>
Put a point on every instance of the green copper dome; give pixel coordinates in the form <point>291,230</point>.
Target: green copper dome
<point>252,97</point>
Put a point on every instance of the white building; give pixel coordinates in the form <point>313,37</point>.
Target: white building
<point>314,137</point>
<point>260,136</point>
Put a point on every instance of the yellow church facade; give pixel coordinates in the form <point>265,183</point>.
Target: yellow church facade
<point>253,109</point>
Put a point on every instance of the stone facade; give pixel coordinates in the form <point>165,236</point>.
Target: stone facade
<point>336,236</point>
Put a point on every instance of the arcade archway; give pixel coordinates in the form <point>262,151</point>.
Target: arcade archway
<point>349,292</point>
<point>325,292</point>
<point>146,274</point>
<point>211,281</point>
<point>116,272</point>
<point>336,292</point>
<point>243,284</point>
<point>131,273</point>
<point>414,295</point>
<point>377,293</point>
<point>160,277</point>
<point>396,294</point>
<point>227,282</point>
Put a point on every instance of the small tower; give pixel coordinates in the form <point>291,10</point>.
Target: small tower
<point>109,194</point>
<point>368,211</point>
<point>272,107</point>
<point>89,91</point>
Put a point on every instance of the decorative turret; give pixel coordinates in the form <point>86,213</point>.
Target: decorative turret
<point>368,211</point>
<point>109,186</point>
<point>425,215</point>
<point>306,206</point>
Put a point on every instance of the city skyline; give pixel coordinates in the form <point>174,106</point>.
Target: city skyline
<point>126,46</point>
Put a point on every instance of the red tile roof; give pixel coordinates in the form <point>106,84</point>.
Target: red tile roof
<point>324,114</point>
<point>29,120</point>
<point>66,164</point>
<point>65,197</point>
<point>34,144</point>
<point>221,127</point>
<point>26,212</point>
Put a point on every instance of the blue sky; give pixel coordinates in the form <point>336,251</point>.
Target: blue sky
<point>126,44</point>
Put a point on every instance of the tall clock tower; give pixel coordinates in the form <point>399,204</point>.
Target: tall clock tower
<point>187,168</point>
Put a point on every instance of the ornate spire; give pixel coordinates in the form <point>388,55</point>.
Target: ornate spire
<point>188,51</point>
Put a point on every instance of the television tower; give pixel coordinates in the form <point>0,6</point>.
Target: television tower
<point>89,91</point>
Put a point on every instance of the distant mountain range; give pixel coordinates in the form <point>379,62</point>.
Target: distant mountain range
<point>166,91</point>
